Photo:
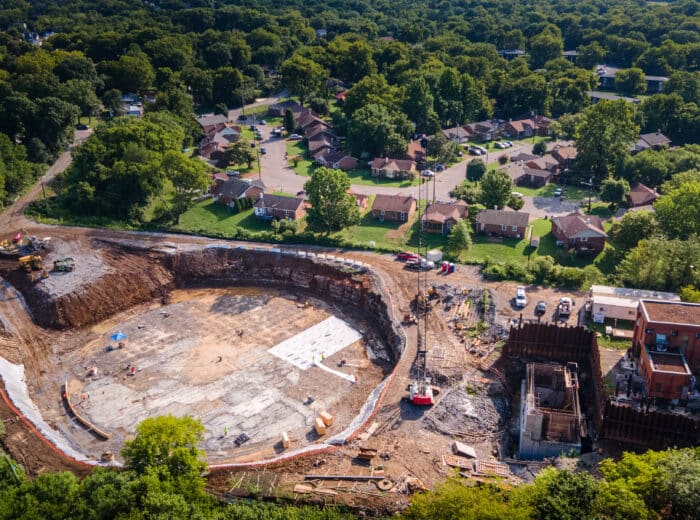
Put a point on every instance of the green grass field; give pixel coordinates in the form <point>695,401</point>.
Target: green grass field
<point>209,217</point>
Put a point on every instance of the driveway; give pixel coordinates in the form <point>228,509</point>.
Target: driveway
<point>539,207</point>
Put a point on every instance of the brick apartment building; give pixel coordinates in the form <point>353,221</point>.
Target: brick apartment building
<point>666,340</point>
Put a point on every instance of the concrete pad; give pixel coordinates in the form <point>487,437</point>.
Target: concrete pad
<point>317,342</point>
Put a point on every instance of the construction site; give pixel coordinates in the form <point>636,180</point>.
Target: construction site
<point>318,375</point>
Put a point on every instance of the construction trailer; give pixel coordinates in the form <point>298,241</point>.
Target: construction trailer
<point>551,422</point>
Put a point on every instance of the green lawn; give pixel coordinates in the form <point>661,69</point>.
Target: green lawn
<point>364,177</point>
<point>209,217</point>
<point>372,230</point>
<point>361,176</point>
<point>572,192</point>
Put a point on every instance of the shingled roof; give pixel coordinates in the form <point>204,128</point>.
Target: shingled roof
<point>641,195</point>
<point>579,225</point>
<point>499,217</point>
<point>398,203</point>
<point>443,211</point>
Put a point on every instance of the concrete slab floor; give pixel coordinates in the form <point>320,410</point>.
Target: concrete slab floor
<point>206,355</point>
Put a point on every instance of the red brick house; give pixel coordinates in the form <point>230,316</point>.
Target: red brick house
<point>565,156</point>
<point>276,207</point>
<point>226,192</point>
<point>280,109</point>
<point>440,217</point>
<point>640,195</point>
<point>666,339</point>
<point>361,201</point>
<point>397,208</point>
<point>578,231</point>
<point>505,223</point>
<point>546,162</point>
<point>535,177</point>
<point>393,168</point>
<point>214,144</point>
<point>211,123</point>
<point>320,141</point>
<point>538,125</point>
<point>336,159</point>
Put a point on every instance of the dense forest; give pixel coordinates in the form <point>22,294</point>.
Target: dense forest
<point>162,479</point>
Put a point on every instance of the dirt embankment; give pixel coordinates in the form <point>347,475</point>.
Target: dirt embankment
<point>131,279</point>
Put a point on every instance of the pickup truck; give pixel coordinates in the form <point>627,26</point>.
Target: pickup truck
<point>420,264</point>
<point>564,308</point>
<point>407,255</point>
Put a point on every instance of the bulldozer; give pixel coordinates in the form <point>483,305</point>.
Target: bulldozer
<point>64,266</point>
<point>31,263</point>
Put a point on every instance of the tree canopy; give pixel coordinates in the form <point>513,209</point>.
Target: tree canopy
<point>332,207</point>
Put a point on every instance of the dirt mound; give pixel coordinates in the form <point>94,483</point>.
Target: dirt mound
<point>127,279</point>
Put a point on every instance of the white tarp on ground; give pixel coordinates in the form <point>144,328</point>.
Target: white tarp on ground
<point>13,377</point>
<point>322,340</point>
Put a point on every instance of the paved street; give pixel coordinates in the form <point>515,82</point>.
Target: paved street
<point>277,176</point>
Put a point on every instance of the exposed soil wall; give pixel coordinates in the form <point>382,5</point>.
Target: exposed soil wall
<point>138,275</point>
<point>361,291</point>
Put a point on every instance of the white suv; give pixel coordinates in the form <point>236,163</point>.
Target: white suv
<point>520,299</point>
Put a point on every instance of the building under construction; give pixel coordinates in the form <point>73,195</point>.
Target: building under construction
<point>550,415</point>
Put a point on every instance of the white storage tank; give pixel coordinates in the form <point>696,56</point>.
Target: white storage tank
<point>434,255</point>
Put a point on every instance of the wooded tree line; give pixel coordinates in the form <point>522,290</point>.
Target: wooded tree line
<point>163,468</point>
<point>409,64</point>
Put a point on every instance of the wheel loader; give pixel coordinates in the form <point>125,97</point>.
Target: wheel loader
<point>31,263</point>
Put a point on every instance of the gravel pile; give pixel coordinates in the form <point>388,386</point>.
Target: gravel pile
<point>89,266</point>
<point>469,412</point>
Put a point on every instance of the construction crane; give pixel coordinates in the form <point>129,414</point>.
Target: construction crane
<point>420,390</point>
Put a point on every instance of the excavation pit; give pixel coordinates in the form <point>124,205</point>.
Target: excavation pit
<point>242,360</point>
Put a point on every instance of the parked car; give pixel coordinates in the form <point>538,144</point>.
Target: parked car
<point>233,173</point>
<point>439,167</point>
<point>262,150</point>
<point>501,145</point>
<point>263,122</point>
<point>82,127</point>
<point>541,307</point>
<point>427,173</point>
<point>259,137</point>
<point>517,194</point>
<point>558,192</point>
<point>475,151</point>
<point>520,298</point>
<point>295,137</point>
<point>242,117</point>
<point>508,143</point>
<point>252,127</point>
